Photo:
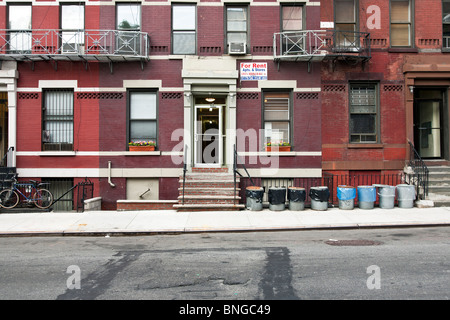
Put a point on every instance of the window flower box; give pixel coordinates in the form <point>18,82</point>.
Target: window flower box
<point>278,147</point>
<point>142,146</point>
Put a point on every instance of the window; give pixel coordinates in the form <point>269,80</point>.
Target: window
<point>142,116</point>
<point>237,26</point>
<point>276,107</point>
<point>128,22</point>
<point>363,113</point>
<point>72,25</point>
<point>183,29</point>
<point>401,23</point>
<point>446,23</point>
<point>19,25</point>
<point>345,22</point>
<point>292,21</point>
<point>57,117</point>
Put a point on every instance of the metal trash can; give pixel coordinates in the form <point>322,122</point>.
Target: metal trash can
<point>277,198</point>
<point>346,196</point>
<point>254,198</point>
<point>296,197</point>
<point>366,197</point>
<point>386,194</point>
<point>319,198</point>
<point>406,195</point>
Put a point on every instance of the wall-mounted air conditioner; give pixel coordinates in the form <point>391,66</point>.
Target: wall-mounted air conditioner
<point>237,48</point>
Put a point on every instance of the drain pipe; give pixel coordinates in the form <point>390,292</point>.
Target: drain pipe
<point>109,175</point>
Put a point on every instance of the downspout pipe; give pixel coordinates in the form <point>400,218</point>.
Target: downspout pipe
<point>109,175</point>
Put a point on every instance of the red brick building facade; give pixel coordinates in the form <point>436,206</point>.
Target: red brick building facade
<point>342,82</point>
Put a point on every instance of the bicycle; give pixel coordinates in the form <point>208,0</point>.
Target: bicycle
<point>34,193</point>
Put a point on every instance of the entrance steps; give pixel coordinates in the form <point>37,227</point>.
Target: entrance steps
<point>209,189</point>
<point>439,185</point>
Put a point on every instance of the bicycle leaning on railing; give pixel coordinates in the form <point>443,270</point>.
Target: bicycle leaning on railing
<point>31,192</point>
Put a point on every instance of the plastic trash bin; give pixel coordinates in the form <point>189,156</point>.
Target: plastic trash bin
<point>406,194</point>
<point>386,194</point>
<point>366,197</point>
<point>254,196</point>
<point>277,198</point>
<point>296,197</point>
<point>346,196</point>
<point>319,198</point>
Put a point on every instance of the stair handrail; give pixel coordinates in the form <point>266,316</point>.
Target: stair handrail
<point>235,171</point>
<point>184,169</point>
<point>419,168</point>
<point>5,156</point>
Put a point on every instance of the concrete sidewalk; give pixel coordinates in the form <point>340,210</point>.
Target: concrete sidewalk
<point>171,221</point>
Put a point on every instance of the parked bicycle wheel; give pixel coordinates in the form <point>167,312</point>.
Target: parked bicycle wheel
<point>43,198</point>
<point>8,198</point>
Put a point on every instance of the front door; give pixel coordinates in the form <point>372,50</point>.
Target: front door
<point>428,115</point>
<point>208,143</point>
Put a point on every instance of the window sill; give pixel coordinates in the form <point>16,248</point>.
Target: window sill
<point>403,50</point>
<point>365,146</point>
<point>142,153</point>
<point>57,153</point>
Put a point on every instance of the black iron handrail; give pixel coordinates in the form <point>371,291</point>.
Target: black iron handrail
<point>420,170</point>
<point>235,171</point>
<point>6,156</point>
<point>184,170</point>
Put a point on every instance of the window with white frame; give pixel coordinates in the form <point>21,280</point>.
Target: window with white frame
<point>364,113</point>
<point>277,120</point>
<point>72,26</point>
<point>57,134</point>
<point>237,27</point>
<point>142,116</point>
<point>401,23</point>
<point>291,25</point>
<point>19,28</point>
<point>128,22</point>
<point>183,29</point>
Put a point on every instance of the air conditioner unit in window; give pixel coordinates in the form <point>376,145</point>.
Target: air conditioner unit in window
<point>237,48</point>
<point>69,48</point>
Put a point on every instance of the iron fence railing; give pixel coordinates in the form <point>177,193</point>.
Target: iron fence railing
<point>21,44</point>
<point>331,181</point>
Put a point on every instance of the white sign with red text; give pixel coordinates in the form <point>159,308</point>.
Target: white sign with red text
<point>253,71</point>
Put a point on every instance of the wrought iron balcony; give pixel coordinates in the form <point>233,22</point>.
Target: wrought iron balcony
<point>317,45</point>
<point>77,45</point>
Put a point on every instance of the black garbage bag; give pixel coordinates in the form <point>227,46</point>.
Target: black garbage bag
<point>319,194</point>
<point>277,195</point>
<point>296,194</point>
<point>254,193</point>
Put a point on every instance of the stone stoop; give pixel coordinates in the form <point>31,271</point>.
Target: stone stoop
<point>209,189</point>
<point>439,185</point>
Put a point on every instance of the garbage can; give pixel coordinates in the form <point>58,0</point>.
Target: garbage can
<point>366,197</point>
<point>296,197</point>
<point>277,198</point>
<point>319,198</point>
<point>386,195</point>
<point>406,195</point>
<point>254,196</point>
<point>346,196</point>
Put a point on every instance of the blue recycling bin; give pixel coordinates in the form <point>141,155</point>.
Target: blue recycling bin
<point>367,196</point>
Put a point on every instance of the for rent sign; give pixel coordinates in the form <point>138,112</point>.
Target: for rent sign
<point>253,71</point>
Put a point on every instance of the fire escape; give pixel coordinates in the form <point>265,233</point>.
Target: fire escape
<point>322,45</point>
<point>107,46</point>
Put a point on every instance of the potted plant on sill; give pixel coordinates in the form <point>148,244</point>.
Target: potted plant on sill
<point>142,145</point>
<point>278,146</point>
